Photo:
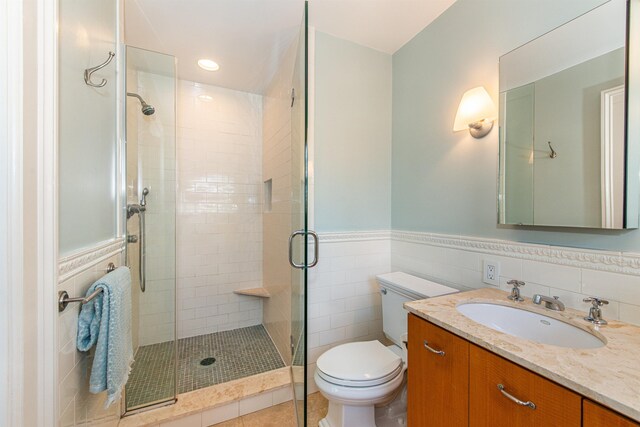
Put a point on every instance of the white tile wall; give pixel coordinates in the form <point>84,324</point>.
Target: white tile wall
<point>278,222</point>
<point>76,406</point>
<point>463,269</point>
<point>219,208</point>
<point>133,227</point>
<point>344,303</point>
<point>156,169</point>
<point>344,300</point>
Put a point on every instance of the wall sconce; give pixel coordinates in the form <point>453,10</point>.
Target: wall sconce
<point>476,112</point>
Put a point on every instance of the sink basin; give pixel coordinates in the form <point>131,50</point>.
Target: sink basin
<point>529,325</point>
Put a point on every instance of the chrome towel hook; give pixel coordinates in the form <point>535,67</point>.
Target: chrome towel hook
<point>89,71</point>
<point>553,153</point>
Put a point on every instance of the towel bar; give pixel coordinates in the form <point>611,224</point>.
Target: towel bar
<point>64,299</point>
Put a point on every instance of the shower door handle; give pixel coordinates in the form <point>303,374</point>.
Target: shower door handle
<point>293,236</point>
<point>315,248</point>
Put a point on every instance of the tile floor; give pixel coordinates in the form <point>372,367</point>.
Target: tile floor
<point>281,415</point>
<point>238,353</point>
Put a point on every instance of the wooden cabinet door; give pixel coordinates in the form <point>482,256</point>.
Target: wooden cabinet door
<point>594,415</point>
<point>491,407</point>
<point>438,383</point>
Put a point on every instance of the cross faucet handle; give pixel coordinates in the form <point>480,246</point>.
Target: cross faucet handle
<point>597,302</point>
<point>595,313</point>
<point>516,283</point>
<point>515,292</point>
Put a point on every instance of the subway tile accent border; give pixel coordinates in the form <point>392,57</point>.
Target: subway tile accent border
<point>354,236</point>
<point>76,263</point>
<point>612,261</point>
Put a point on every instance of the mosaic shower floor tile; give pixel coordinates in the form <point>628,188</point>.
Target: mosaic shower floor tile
<point>203,361</point>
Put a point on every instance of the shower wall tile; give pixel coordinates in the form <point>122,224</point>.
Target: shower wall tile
<point>76,406</point>
<point>155,151</point>
<point>278,220</point>
<point>133,227</point>
<point>219,202</point>
<point>344,300</point>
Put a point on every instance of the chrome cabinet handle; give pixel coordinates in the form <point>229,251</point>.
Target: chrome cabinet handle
<point>514,399</point>
<point>433,350</point>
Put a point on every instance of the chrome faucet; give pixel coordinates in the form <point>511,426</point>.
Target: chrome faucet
<point>515,292</point>
<point>595,313</point>
<point>135,208</point>
<point>550,303</point>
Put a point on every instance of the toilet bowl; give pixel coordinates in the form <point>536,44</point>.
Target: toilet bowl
<point>354,378</point>
<point>357,377</point>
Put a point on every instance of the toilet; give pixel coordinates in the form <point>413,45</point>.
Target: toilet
<point>356,377</point>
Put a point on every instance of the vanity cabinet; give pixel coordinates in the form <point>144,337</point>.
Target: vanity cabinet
<point>505,394</point>
<point>598,416</point>
<point>438,383</point>
<point>452,382</point>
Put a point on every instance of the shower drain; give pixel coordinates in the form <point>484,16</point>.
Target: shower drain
<point>207,361</point>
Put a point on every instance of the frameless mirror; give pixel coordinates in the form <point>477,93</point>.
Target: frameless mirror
<point>567,151</point>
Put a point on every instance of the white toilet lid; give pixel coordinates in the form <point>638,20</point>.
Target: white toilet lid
<point>359,364</point>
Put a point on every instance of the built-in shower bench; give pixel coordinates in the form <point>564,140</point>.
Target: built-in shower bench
<point>254,292</point>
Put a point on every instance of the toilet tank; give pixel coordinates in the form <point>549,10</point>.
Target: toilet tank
<point>398,288</point>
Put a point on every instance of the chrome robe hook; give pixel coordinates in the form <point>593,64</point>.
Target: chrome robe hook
<point>89,71</point>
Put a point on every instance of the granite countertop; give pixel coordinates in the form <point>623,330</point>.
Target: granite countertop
<point>609,375</point>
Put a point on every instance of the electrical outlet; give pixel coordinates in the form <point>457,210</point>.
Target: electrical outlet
<point>491,272</point>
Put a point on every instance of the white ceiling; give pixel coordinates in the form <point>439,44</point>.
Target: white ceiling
<point>248,38</point>
<point>384,25</point>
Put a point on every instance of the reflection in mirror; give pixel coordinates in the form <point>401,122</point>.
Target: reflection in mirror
<point>562,125</point>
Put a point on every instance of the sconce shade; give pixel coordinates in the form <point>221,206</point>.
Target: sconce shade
<point>476,105</point>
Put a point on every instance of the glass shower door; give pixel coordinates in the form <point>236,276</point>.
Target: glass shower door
<point>299,245</point>
<point>151,225</point>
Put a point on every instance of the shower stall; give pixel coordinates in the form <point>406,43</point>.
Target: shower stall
<point>217,235</point>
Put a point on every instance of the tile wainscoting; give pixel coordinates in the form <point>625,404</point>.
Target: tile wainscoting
<point>569,273</point>
<point>344,304</point>
<point>344,301</point>
<point>76,406</point>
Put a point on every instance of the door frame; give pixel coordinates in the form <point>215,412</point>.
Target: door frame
<point>46,209</point>
<point>28,75</point>
<point>11,250</point>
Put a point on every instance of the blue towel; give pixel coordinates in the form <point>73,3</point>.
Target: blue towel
<point>106,323</point>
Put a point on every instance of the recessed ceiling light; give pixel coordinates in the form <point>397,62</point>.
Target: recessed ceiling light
<point>208,64</point>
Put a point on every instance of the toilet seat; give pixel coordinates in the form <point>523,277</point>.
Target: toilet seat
<point>359,364</point>
<point>368,383</point>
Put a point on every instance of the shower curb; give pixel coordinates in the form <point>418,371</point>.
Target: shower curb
<point>221,402</point>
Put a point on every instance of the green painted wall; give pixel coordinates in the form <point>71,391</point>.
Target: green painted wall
<point>446,182</point>
<point>352,164</point>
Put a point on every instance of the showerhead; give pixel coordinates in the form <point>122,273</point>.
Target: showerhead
<point>147,109</point>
